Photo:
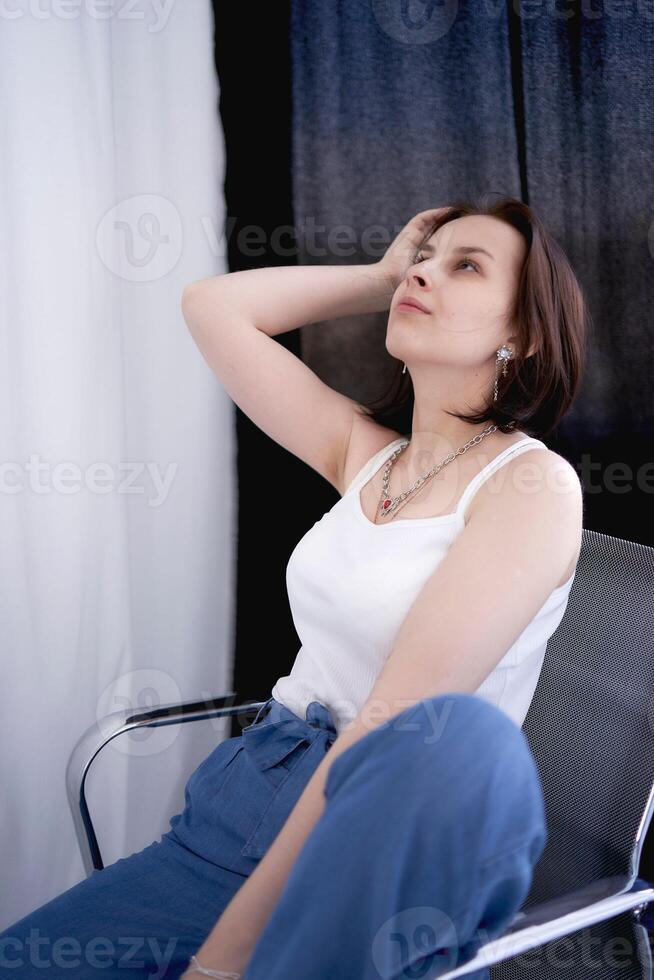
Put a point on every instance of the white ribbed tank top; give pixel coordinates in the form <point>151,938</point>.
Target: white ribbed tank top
<point>351,583</point>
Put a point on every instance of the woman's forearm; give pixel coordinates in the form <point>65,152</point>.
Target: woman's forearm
<point>278,299</point>
<point>230,943</point>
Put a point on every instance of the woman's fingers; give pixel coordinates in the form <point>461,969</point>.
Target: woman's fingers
<point>425,220</point>
<point>421,226</point>
<point>401,252</point>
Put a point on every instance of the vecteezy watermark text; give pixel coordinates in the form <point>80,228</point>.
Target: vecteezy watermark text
<point>100,477</point>
<point>99,952</point>
<point>154,13</point>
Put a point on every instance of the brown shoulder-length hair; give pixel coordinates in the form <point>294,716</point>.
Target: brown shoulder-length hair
<point>551,315</point>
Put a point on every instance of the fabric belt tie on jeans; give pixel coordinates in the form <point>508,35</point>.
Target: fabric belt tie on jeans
<point>276,731</point>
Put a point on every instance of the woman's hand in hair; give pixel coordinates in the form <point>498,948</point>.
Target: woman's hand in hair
<point>401,253</point>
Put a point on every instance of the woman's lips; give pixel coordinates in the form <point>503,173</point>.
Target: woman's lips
<point>409,308</point>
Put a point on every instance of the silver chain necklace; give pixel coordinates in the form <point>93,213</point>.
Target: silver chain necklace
<point>388,504</point>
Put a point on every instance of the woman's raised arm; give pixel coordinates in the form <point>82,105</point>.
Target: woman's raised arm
<point>233,319</point>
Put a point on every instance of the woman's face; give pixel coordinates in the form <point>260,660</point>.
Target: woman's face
<point>466,276</point>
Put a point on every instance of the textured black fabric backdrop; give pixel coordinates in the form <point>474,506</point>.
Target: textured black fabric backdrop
<point>395,113</point>
<point>352,114</point>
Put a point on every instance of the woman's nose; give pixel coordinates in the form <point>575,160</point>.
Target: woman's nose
<point>420,277</point>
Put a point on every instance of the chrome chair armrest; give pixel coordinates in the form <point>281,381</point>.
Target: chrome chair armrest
<point>95,738</point>
<point>560,916</point>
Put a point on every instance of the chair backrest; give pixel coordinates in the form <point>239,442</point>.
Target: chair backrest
<point>590,724</point>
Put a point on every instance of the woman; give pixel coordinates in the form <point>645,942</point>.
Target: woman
<point>382,815</point>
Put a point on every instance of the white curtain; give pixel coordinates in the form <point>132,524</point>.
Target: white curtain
<point>117,455</point>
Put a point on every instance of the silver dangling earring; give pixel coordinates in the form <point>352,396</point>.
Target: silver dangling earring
<point>404,369</point>
<point>502,355</point>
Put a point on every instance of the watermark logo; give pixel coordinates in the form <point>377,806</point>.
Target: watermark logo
<point>416,942</point>
<point>141,238</point>
<point>139,690</point>
<point>415,21</point>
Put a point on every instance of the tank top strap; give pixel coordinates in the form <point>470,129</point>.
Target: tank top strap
<point>373,463</point>
<point>529,442</point>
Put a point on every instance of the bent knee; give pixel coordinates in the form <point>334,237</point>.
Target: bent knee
<point>455,742</point>
<point>451,716</point>
<point>464,733</point>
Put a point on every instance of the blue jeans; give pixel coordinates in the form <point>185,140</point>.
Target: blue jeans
<point>433,822</point>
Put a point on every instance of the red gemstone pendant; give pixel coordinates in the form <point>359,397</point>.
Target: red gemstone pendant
<point>387,503</point>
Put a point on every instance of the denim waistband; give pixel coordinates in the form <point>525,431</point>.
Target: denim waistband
<point>276,730</point>
<point>318,715</point>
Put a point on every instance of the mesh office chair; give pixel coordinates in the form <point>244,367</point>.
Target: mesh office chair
<point>590,726</point>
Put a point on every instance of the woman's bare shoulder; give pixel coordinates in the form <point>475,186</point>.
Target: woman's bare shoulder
<point>545,477</point>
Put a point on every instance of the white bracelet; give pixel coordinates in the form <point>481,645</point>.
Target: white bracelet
<point>195,967</point>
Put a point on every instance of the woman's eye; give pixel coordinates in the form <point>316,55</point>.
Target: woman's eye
<point>421,258</point>
<point>469,262</point>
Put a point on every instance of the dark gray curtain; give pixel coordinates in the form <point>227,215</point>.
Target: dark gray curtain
<point>398,106</point>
